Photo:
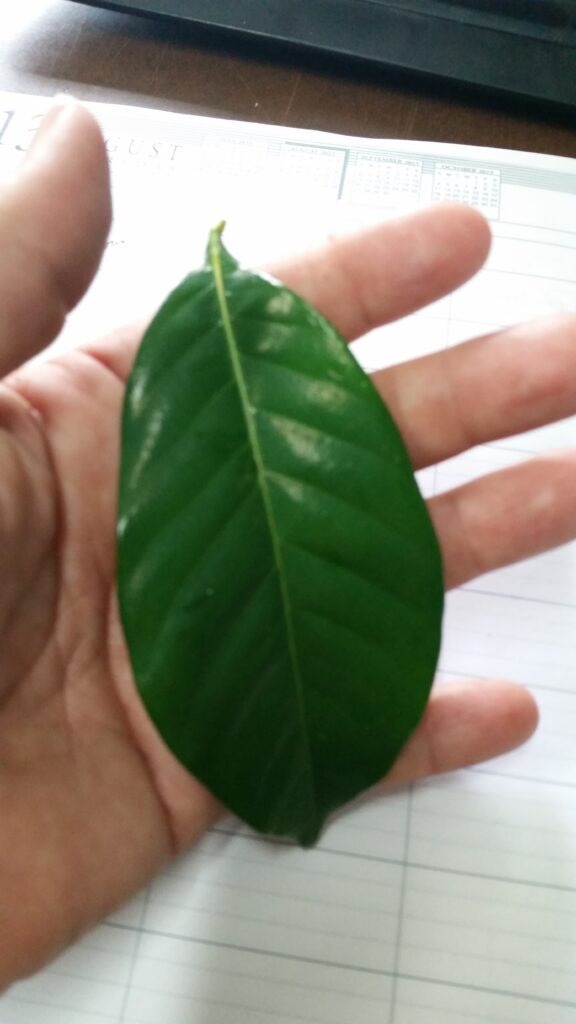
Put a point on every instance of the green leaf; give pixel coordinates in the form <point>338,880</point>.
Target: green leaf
<point>279,579</point>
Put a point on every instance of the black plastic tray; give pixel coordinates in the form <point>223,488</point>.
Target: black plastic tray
<point>521,47</point>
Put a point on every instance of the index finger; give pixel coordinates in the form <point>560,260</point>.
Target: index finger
<point>377,275</point>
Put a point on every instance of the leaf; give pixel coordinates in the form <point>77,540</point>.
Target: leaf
<point>279,579</point>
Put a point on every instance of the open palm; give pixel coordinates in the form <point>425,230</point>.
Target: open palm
<point>91,802</point>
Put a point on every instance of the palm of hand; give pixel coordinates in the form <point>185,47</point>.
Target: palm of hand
<point>76,798</point>
<point>91,802</point>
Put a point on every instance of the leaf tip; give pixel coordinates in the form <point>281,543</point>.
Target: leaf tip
<point>308,836</point>
<point>216,253</point>
<point>218,231</point>
<point>215,241</point>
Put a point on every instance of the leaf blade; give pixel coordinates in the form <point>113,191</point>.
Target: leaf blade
<point>252,693</point>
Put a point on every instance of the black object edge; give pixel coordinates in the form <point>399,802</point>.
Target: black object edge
<point>446,48</point>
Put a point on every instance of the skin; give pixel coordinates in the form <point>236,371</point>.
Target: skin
<point>91,802</point>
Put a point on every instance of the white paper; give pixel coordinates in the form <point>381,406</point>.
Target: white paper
<point>454,900</point>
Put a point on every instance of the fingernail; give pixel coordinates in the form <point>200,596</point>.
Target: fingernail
<point>47,135</point>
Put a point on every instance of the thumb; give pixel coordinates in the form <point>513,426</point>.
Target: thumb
<point>54,220</point>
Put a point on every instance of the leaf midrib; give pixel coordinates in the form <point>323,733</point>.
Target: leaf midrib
<point>254,442</point>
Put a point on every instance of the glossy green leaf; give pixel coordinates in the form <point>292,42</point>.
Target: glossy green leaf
<point>279,578</point>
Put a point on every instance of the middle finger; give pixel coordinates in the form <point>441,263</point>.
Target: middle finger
<point>495,386</point>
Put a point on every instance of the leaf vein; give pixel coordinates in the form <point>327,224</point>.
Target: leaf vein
<point>358,577</point>
<point>168,610</point>
<point>298,372</point>
<point>164,366</point>
<point>363,638</point>
<point>357,446</point>
<point>313,485</point>
<point>153,485</point>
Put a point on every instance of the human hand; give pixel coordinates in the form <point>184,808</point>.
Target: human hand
<point>91,802</point>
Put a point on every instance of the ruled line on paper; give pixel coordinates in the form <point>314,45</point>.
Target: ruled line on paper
<point>64,1012</point>
<point>402,975</point>
<point>545,227</point>
<point>436,868</point>
<point>265,952</point>
<point>134,961</point>
<point>530,274</point>
<point>520,597</point>
<point>401,906</point>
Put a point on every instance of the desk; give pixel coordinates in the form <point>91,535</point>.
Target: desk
<point>57,45</point>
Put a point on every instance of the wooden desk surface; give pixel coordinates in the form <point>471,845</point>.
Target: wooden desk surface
<point>58,45</point>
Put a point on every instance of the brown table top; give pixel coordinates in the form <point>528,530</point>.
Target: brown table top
<point>59,45</point>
